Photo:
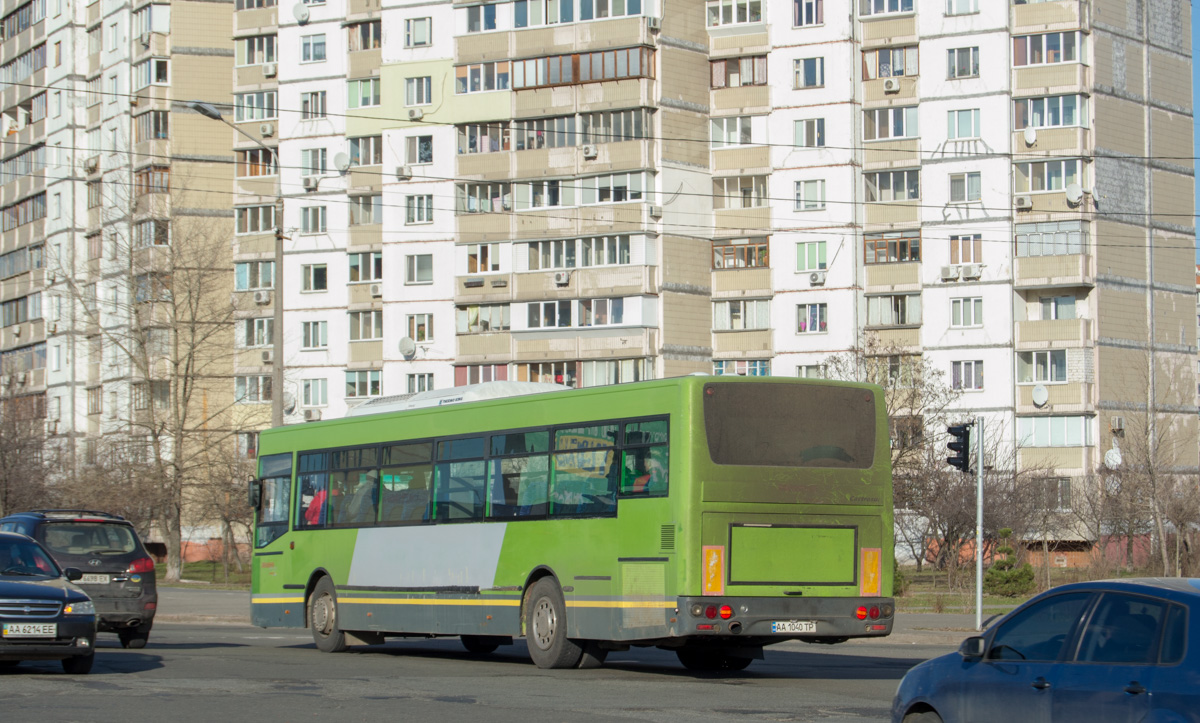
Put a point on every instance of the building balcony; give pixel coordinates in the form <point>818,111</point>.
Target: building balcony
<point>587,343</point>
<point>363,9</point>
<point>738,42</point>
<point>741,221</point>
<point>750,344</point>
<point>1072,141</point>
<point>1056,459</point>
<point>742,160</point>
<point>483,289</point>
<point>365,295</point>
<point>364,63</point>
<point>583,98</point>
<point>364,354</point>
<point>894,214</point>
<point>882,155</point>
<point>1050,16</point>
<point>487,348</point>
<point>256,21</point>
<point>1037,272</point>
<point>894,277</point>
<point>901,339</point>
<point>1054,79</point>
<point>362,235</point>
<point>877,33</point>
<point>582,283</point>
<point>252,77</point>
<point>875,95</point>
<point>742,283</point>
<point>743,100</point>
<point>1053,334</point>
<point>1072,397</point>
<point>575,37</point>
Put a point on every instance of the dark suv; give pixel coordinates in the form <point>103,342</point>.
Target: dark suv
<point>118,573</point>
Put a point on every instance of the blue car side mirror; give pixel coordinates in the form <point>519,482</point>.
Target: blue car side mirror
<point>973,647</point>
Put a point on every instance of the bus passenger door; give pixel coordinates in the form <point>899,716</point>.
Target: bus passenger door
<point>273,604</point>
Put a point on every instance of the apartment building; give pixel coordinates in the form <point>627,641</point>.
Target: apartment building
<point>595,192</point>
<point>108,190</point>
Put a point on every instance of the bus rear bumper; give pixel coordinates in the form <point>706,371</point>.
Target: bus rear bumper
<point>818,620</point>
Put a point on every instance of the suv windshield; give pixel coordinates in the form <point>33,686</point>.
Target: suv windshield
<point>25,558</point>
<point>87,538</point>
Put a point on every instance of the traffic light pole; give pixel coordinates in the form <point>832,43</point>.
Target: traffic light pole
<point>979,525</point>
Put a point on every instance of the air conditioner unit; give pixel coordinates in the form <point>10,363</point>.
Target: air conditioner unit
<point>562,278</point>
<point>262,297</point>
<point>309,183</point>
<point>1117,424</point>
<point>269,70</point>
<point>268,356</point>
<point>972,271</point>
<point>403,173</point>
<point>312,415</point>
<point>891,85</point>
<point>817,278</point>
<point>654,24</point>
<point>145,39</point>
<point>91,165</point>
<point>949,273</point>
<point>266,130</point>
<point>376,290</point>
<point>1023,202</point>
<point>16,331</point>
<point>415,114</point>
<point>656,212</point>
<point>134,100</point>
<point>589,151</point>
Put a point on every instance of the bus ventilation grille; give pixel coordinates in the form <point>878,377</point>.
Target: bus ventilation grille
<point>667,537</point>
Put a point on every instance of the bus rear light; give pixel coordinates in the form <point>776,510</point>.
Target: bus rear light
<point>142,564</point>
<point>874,613</point>
<point>710,612</point>
<point>726,612</point>
<point>876,627</point>
<point>697,610</point>
<point>886,611</point>
<point>713,627</point>
<point>861,613</point>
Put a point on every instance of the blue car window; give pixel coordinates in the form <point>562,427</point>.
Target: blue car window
<point>1040,631</point>
<point>1124,629</point>
<point>1174,637</point>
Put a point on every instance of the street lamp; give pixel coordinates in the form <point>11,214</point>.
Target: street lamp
<point>208,110</point>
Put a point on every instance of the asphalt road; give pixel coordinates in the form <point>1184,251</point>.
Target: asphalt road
<point>203,665</point>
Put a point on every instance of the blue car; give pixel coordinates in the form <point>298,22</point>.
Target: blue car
<point>1118,650</point>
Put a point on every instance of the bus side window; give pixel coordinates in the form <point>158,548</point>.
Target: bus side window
<point>585,483</point>
<point>311,501</point>
<point>405,495</point>
<point>645,472</point>
<point>518,487</point>
<point>460,490</point>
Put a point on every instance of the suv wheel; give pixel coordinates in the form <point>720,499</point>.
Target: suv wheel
<point>135,639</point>
<point>79,664</point>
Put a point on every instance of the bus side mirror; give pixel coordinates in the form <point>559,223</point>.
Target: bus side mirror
<point>255,493</point>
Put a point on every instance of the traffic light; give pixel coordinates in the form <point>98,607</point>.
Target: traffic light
<point>960,446</point>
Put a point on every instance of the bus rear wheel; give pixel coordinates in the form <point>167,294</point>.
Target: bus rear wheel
<point>323,618</point>
<point>546,627</point>
<point>710,659</point>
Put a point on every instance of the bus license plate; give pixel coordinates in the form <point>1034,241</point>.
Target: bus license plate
<point>30,630</point>
<point>794,626</point>
<point>93,580</point>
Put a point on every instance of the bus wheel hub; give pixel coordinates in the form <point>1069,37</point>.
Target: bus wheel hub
<point>544,622</point>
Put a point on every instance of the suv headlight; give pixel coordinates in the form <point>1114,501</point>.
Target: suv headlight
<point>83,607</point>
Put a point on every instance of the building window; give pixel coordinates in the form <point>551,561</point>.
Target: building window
<point>549,314</point>
<point>811,319</point>
<point>1054,432</point>
<point>366,325</point>
<point>810,195</point>
<point>962,7</point>
<point>604,251</point>
<point>1055,111</point>
<point>1053,175</point>
<point>810,133</point>
<point>811,371</point>
<point>361,384</point>
<point>420,383</point>
<point>366,151</point>
<point>312,48</point>
<point>316,392</point>
<point>247,445</point>
<point>417,91</point>
<point>312,219</point>
<point>734,12</point>
<point>366,36</point>
<point>152,126</point>
<point>808,12</point>
<point>95,400</point>
<point>151,232</point>
<point>420,327</point>
<point>255,50</point>
<point>534,13</point>
<point>312,105</point>
<point>736,72</point>
<point>482,197</point>
<point>962,124</point>
<point>600,312</point>
<point>249,275</point>
<point>810,256</point>
<point>255,106</point>
<point>483,138</point>
<point>481,18</point>
<point>418,32</point>
<point>738,131</point>
<point>890,63</point>
<point>312,161</point>
<point>483,258</point>
<point>612,126</point>
<point>1046,48</point>
<point>618,371</point>
<point>741,314</point>
<point>965,187</point>
<point>364,93</point>
<point>255,219</point>
<point>808,73</point>
<point>962,63</point>
<point>892,247</point>
<point>1058,307</point>
<point>742,253</point>
<point>592,67</point>
<point>546,133</point>
<point>1042,367</point>
<point>1054,494</point>
<point>888,186</point>
<point>747,368</point>
<point>252,389</point>
<point>418,209</point>
<point>884,7</point>
<point>482,77</point>
<point>315,277</point>
<point>967,375</point>
<point>895,310</point>
<point>739,192</point>
<point>314,335</point>
<point>366,210</point>
<point>152,179</point>
<point>966,249</point>
<point>256,162</point>
<point>418,269</point>
<point>552,372</point>
<point>612,188</point>
<point>966,312</point>
<point>366,266</point>
<point>482,318</point>
<point>419,150</point>
<point>1051,239</point>
<point>883,123</point>
<point>256,332</point>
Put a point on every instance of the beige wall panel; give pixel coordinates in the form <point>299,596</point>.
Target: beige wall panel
<point>882,32</point>
<point>1121,374</point>
<point>1054,333</point>
<point>687,321</point>
<point>615,281</point>
<point>476,227</point>
<point>1121,126</point>
<point>731,45</point>
<point>486,165</point>
<point>366,351</point>
<point>740,160</point>
<point>364,63</point>
<point>202,24</point>
<point>257,244</point>
<point>684,76</point>
<point>1171,137</point>
<point>682,19</point>
<point>681,367</point>
<point>1175,380</point>
<point>686,137</point>
<point>1120,250</point>
<point>254,19</point>
<point>898,212</point>
<point>898,338</point>
<point>1170,80</point>
<point>687,262</point>
<point>741,100</point>
<point>886,154</point>
<point>735,283</point>
<point>550,40</point>
<point>1061,398</point>
<point>478,345</point>
<point>1042,79</point>
<point>1174,201</point>
<point>478,47</point>
<point>742,344</point>
<point>194,76</point>
<point>1122,315</point>
<point>1174,318</point>
<point>202,185</point>
<point>1173,258</point>
<point>741,221</point>
<point>536,102</point>
<point>1035,17</point>
<point>875,96</point>
<point>621,32</point>
<point>1052,458</point>
<point>893,274</point>
<point>1182,432</point>
<point>1112,12</point>
<point>545,162</point>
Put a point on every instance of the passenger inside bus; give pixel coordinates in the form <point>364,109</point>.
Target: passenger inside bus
<point>645,471</point>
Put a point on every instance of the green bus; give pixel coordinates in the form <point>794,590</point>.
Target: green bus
<point>707,515</point>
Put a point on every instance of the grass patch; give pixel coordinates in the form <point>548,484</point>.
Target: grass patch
<point>211,575</point>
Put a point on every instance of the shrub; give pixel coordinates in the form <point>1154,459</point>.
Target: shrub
<point>1005,578</point>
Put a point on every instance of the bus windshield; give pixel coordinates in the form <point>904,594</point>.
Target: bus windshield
<point>786,425</point>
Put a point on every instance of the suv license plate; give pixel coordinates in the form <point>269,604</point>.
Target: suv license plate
<point>794,626</point>
<point>30,630</point>
<point>93,580</point>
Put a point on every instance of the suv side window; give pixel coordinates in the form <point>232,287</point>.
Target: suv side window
<point>1040,631</point>
<point>24,528</point>
<point>1124,630</point>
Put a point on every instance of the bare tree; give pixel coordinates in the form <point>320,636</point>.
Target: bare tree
<point>23,470</point>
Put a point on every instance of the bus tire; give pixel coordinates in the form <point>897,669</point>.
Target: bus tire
<point>711,659</point>
<point>546,627</point>
<point>593,656</point>
<point>323,618</point>
<point>479,644</point>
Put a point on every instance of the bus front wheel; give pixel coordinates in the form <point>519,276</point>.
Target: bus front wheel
<point>323,618</point>
<point>546,627</point>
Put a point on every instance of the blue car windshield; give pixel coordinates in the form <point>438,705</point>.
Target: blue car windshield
<point>25,559</point>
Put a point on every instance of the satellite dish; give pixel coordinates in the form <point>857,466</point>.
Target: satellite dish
<point>1112,458</point>
<point>289,403</point>
<point>300,10</point>
<point>408,347</point>
<point>341,162</point>
<point>1030,135</point>
<point>1074,193</point>
<point>1041,395</point>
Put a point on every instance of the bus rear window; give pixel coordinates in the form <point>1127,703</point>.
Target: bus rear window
<point>790,425</point>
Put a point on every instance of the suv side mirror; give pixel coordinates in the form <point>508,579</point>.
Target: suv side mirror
<point>73,573</point>
<point>973,647</point>
<point>255,493</point>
